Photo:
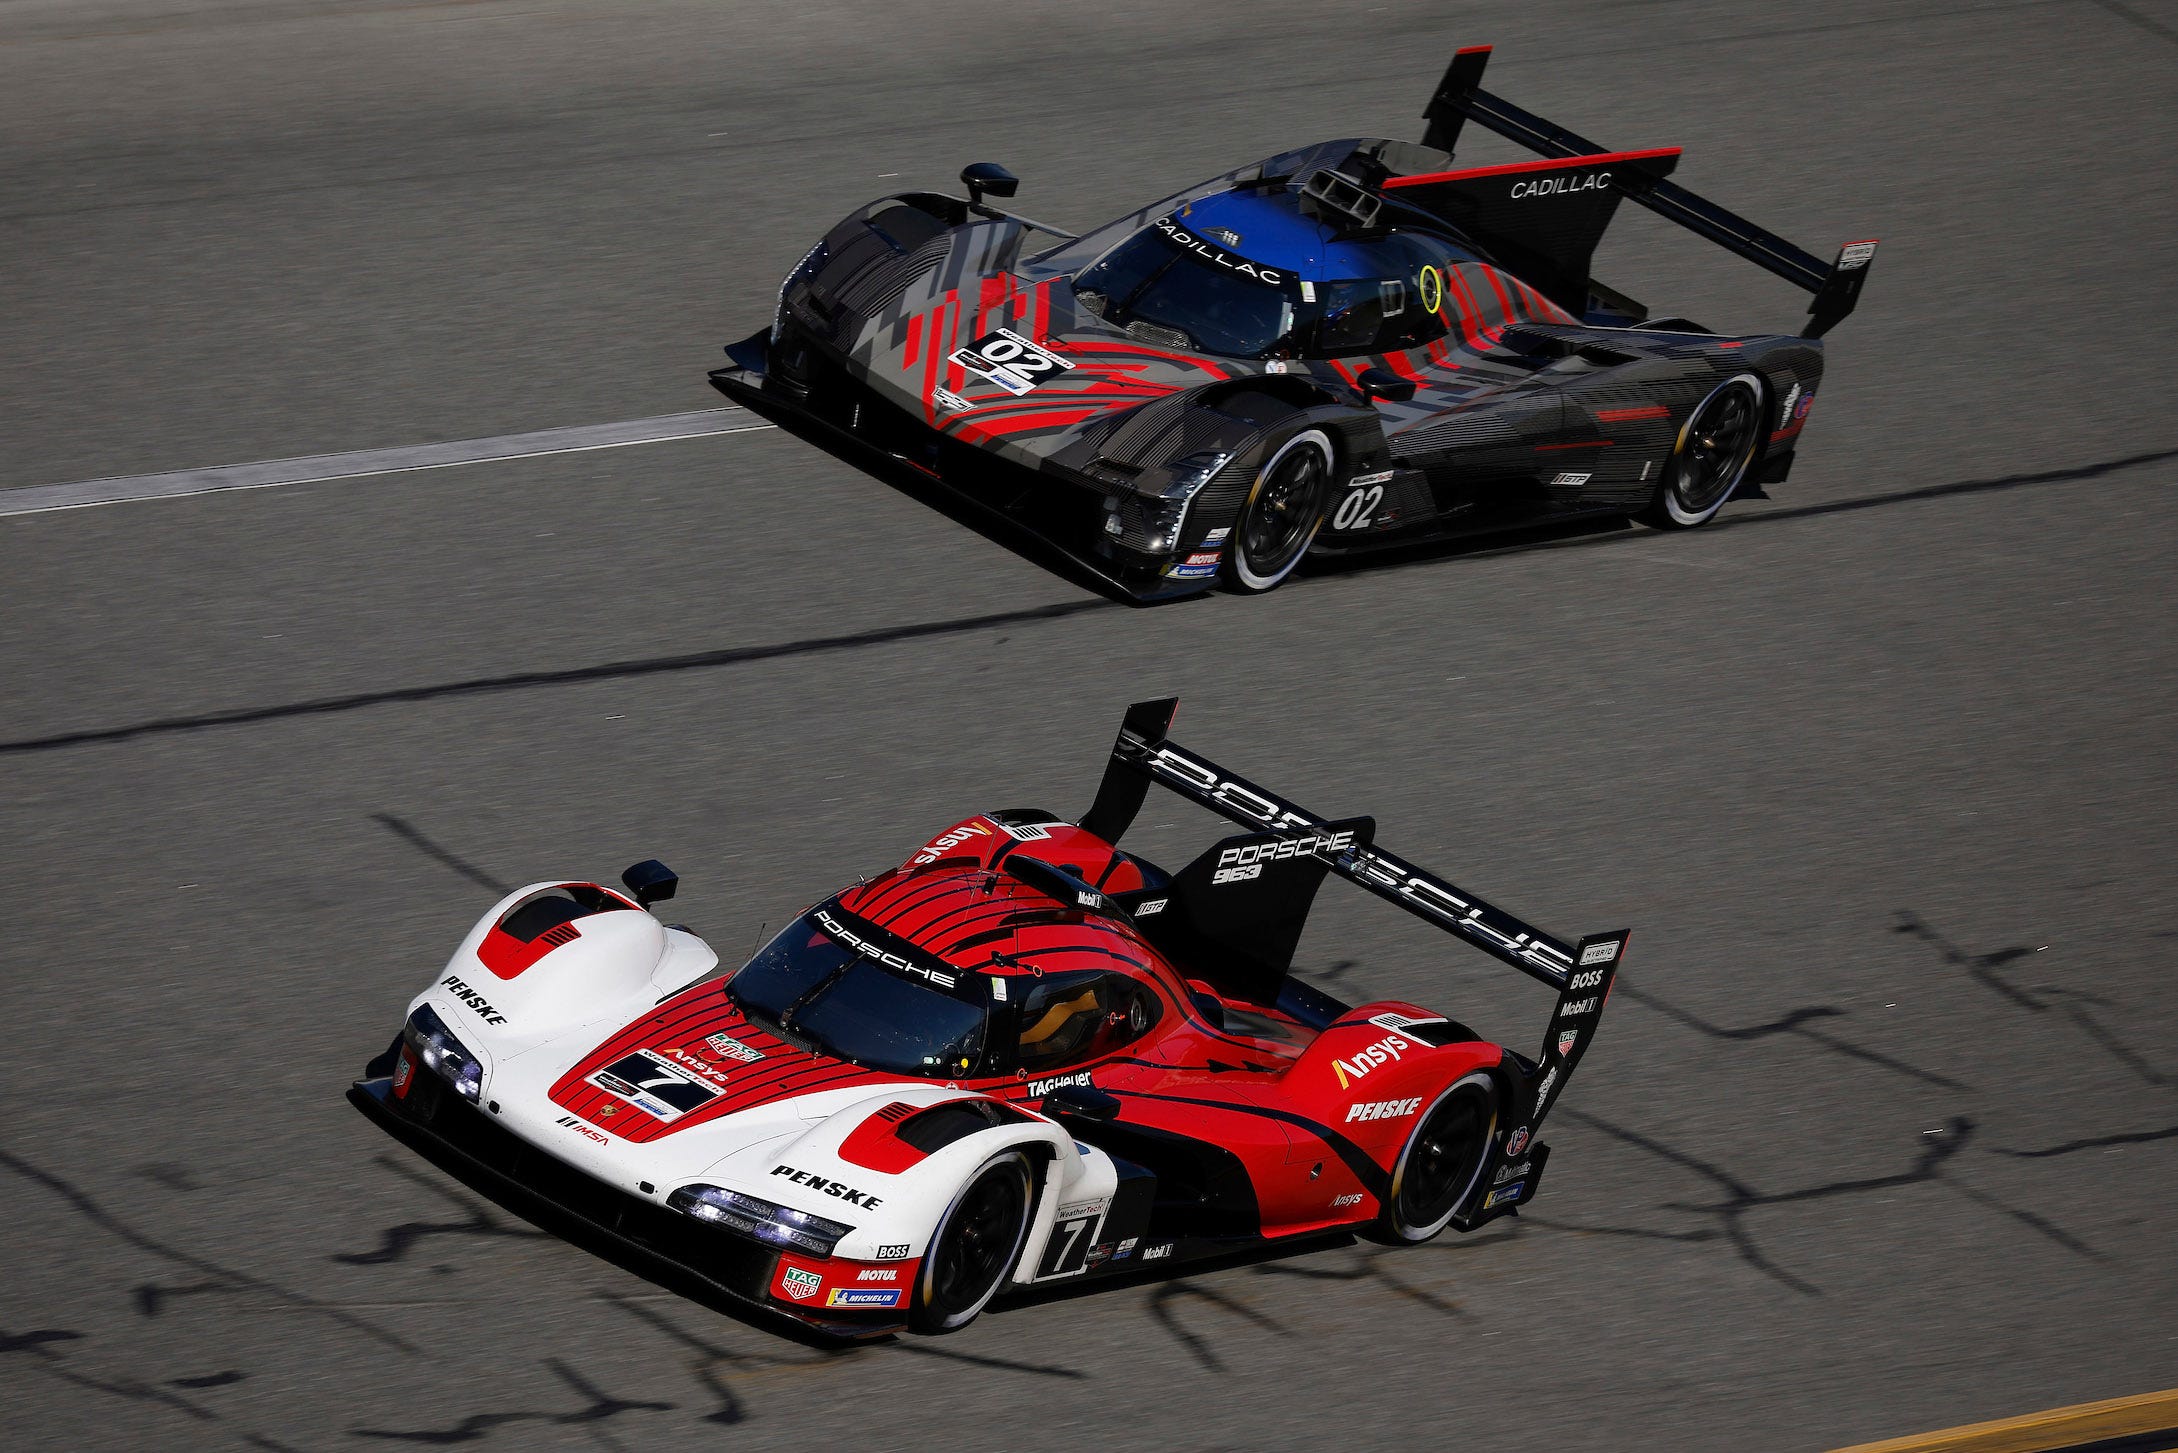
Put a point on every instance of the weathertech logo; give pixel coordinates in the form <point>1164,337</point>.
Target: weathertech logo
<point>1542,1092</point>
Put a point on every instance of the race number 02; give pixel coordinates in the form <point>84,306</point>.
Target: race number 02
<point>1358,509</point>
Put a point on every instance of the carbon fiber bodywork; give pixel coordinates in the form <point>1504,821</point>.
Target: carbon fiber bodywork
<point>1136,452</point>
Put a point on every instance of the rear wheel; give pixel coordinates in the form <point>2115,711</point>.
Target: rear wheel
<point>975,1245</point>
<point>1282,514</point>
<point>1441,1161</point>
<point>1714,452</point>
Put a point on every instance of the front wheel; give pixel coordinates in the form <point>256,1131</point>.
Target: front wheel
<point>1282,514</point>
<point>1441,1161</point>
<point>975,1245</point>
<point>1713,454</point>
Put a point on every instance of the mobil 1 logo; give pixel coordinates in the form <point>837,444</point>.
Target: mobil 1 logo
<point>1010,361</point>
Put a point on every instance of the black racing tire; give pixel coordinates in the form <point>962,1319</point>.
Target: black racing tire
<point>975,1246</point>
<point>1710,461</point>
<point>1284,510</point>
<point>1441,1161</point>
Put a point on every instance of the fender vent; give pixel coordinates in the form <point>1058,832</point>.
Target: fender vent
<point>941,1125</point>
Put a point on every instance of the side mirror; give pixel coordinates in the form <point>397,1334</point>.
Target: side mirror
<point>987,177</point>
<point>1382,383</point>
<point>651,881</point>
<point>1084,1102</point>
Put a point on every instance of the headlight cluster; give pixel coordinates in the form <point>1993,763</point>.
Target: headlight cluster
<point>1166,516</point>
<point>753,1216</point>
<point>442,1054</point>
<point>816,255</point>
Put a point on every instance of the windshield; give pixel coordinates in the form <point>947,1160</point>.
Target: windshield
<point>1168,285</point>
<point>1212,300</point>
<point>873,1004</point>
<point>1409,302</point>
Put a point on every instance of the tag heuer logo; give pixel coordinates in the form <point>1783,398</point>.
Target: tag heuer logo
<point>802,1285</point>
<point>733,1048</point>
<point>1567,1040</point>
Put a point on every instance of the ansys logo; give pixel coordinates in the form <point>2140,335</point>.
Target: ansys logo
<point>1383,1052</point>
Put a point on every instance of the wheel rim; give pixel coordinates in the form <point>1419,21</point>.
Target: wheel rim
<point>1717,447</point>
<point>980,1239</point>
<point>1285,509</point>
<point>1442,1161</point>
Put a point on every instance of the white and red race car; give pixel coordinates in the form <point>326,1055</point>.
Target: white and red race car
<point>1023,1057</point>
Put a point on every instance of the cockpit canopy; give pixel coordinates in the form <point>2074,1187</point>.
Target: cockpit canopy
<point>1255,273</point>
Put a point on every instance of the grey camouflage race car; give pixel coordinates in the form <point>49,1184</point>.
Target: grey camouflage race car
<point>1345,347</point>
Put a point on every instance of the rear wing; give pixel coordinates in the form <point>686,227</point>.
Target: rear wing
<point>1581,972</point>
<point>1460,98</point>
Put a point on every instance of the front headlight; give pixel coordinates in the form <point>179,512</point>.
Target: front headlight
<point>754,1216</point>
<point>814,257</point>
<point>443,1054</point>
<point>1166,516</point>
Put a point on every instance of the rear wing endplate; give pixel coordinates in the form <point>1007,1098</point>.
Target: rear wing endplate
<point>1836,286</point>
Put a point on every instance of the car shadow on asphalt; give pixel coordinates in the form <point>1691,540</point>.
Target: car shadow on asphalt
<point>1564,537</point>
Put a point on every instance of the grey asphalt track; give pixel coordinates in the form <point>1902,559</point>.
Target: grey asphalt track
<point>1881,1131</point>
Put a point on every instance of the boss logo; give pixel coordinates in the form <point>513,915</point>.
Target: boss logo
<point>1588,980</point>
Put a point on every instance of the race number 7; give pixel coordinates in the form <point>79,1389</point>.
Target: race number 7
<point>1068,1251</point>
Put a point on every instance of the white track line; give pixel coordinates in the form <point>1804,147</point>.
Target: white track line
<point>272,473</point>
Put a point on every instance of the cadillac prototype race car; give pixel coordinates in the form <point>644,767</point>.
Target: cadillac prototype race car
<point>1024,1058</point>
<point>1344,347</point>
